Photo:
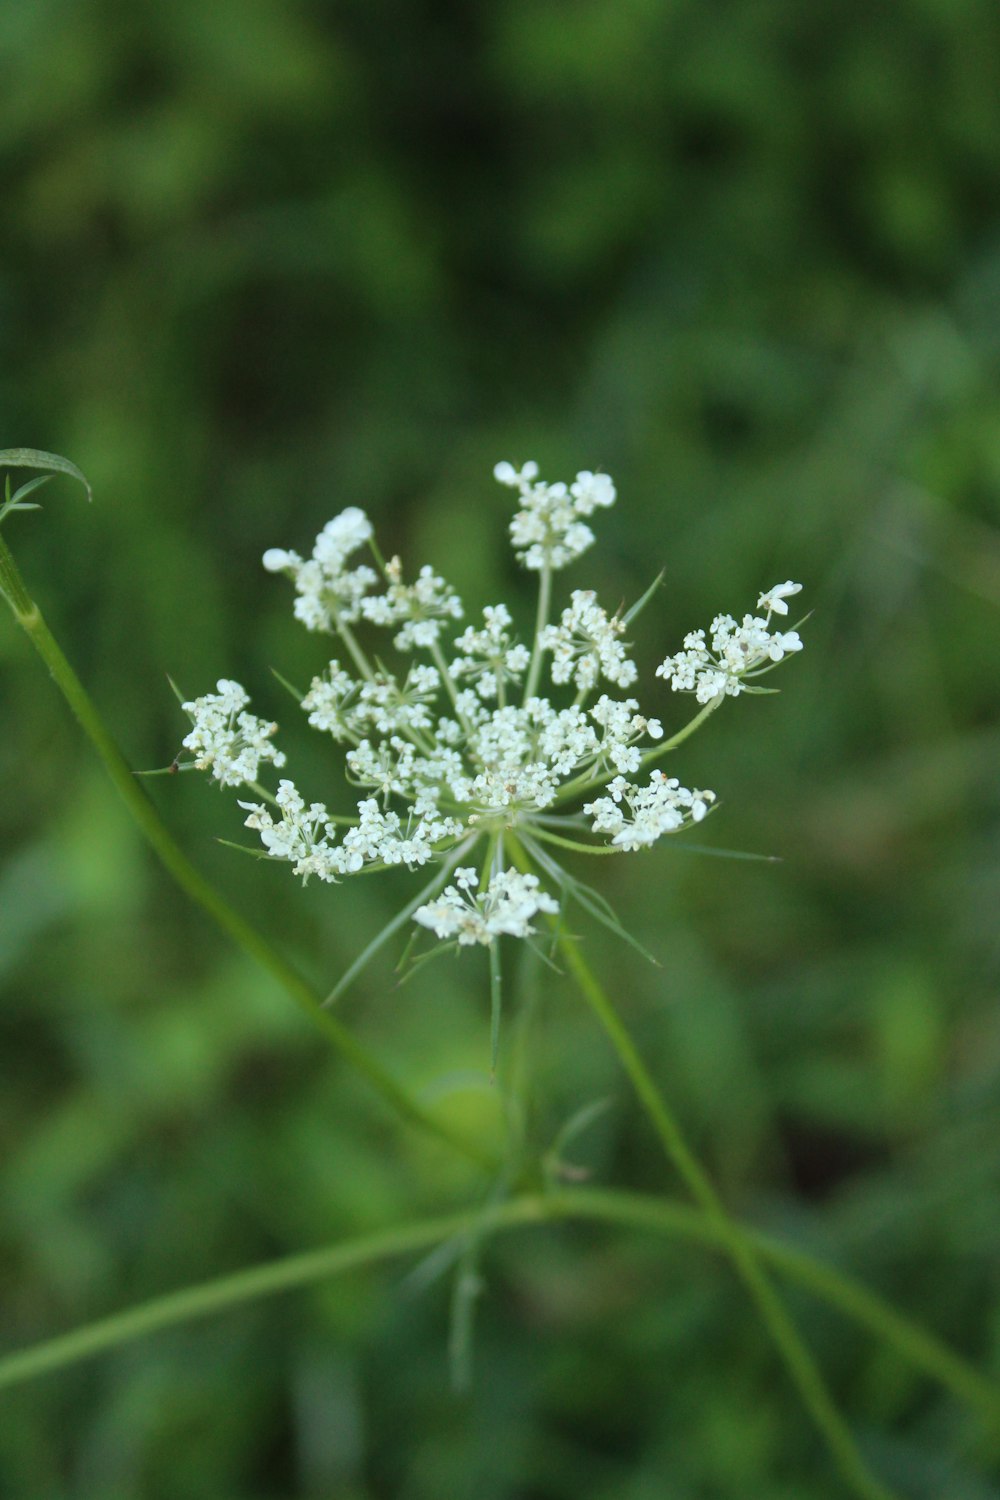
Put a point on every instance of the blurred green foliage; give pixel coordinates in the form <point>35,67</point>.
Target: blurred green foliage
<point>266,258</point>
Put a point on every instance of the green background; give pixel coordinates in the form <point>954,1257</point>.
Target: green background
<point>267,258</point>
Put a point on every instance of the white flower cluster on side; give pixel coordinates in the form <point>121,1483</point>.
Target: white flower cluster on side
<point>225,739</point>
<point>329,593</point>
<point>306,837</point>
<point>504,909</point>
<point>441,756</point>
<point>351,710</point>
<point>661,807</point>
<point>548,531</point>
<point>737,651</point>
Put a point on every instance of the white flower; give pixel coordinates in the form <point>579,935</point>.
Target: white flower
<point>662,807</point>
<point>623,729</point>
<point>226,740</point>
<point>736,652</point>
<point>504,908</point>
<point>329,594</point>
<point>328,703</point>
<point>340,537</point>
<point>592,490</point>
<point>381,836</point>
<point>489,744</point>
<point>586,644</point>
<point>520,479</point>
<point>547,531</point>
<point>489,656</point>
<point>420,606</point>
<point>774,599</point>
<point>302,835</point>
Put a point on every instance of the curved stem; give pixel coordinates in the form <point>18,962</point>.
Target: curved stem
<point>194,884</point>
<point>739,1246</point>
<point>628,1210</point>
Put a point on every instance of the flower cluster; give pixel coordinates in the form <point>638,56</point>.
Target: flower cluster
<point>737,652</point>
<point>586,645</point>
<point>471,749</point>
<point>547,530</point>
<point>226,740</point>
<point>329,593</point>
<point>661,807</point>
<point>505,907</point>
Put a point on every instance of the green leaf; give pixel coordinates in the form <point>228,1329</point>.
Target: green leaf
<point>35,458</point>
<point>16,501</point>
<point>19,501</point>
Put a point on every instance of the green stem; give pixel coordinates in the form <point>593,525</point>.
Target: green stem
<point>496,1005</point>
<point>496,968</point>
<point>735,1240</point>
<point>541,620</point>
<point>449,682</point>
<point>358,657</point>
<point>588,781</point>
<point>13,589</point>
<point>632,1210</point>
<point>194,884</point>
<point>578,848</point>
<point>682,734</point>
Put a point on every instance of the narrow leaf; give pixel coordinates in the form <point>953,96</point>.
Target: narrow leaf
<point>16,501</point>
<point>765,859</point>
<point>287,685</point>
<point>640,604</point>
<point>35,458</point>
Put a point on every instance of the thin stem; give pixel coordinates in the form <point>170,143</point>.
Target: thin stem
<point>632,1210</point>
<point>682,734</point>
<point>541,620</point>
<point>449,682</point>
<point>735,1240</point>
<point>574,844</point>
<point>496,1005</point>
<point>358,657</point>
<point>194,884</point>
<point>589,780</point>
<point>496,970</point>
<point>517,1085</point>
